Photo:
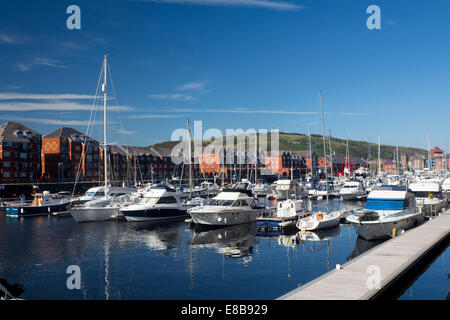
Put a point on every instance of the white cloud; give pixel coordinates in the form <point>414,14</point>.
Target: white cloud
<point>125,132</point>
<point>60,106</point>
<point>267,4</point>
<point>22,67</point>
<point>173,96</point>
<point>195,85</point>
<point>53,121</point>
<point>46,62</point>
<point>33,96</point>
<point>156,116</point>
<point>238,110</point>
<point>6,38</point>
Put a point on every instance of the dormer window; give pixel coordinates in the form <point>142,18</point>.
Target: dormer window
<point>28,134</point>
<point>18,134</point>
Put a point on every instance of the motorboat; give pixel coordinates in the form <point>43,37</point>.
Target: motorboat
<point>43,204</point>
<point>231,206</point>
<point>98,193</point>
<point>319,220</point>
<point>429,196</point>
<point>162,202</point>
<point>352,190</point>
<point>288,189</point>
<point>389,210</point>
<point>261,190</point>
<point>100,209</point>
<point>323,190</point>
<point>446,187</point>
<point>286,215</point>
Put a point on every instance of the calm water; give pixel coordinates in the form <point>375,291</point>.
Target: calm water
<point>122,260</point>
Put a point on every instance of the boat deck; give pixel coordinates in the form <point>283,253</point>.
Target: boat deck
<point>377,271</point>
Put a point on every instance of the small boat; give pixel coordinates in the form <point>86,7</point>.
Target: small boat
<point>261,190</point>
<point>352,190</point>
<point>43,204</point>
<point>446,187</point>
<point>98,193</point>
<point>288,189</point>
<point>429,196</point>
<point>231,206</point>
<point>160,203</point>
<point>389,210</point>
<point>197,201</point>
<point>287,214</point>
<point>99,209</point>
<point>319,221</point>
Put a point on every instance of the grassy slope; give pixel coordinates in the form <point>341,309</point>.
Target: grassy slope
<point>299,142</point>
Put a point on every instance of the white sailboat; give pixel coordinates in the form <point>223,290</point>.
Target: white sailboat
<point>100,209</point>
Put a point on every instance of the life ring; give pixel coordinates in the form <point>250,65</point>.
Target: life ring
<point>431,196</point>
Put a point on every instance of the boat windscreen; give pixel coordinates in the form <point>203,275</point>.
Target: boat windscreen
<point>221,203</point>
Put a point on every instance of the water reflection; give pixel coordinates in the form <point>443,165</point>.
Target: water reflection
<point>363,245</point>
<point>319,235</point>
<point>232,241</point>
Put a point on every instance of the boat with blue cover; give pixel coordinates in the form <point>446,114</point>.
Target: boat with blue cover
<point>389,210</point>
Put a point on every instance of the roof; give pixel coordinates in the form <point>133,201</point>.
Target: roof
<point>8,129</point>
<point>63,132</point>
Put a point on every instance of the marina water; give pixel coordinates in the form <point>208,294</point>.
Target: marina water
<point>123,260</point>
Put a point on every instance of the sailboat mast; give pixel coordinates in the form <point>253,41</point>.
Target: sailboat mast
<point>190,159</point>
<point>331,154</point>
<point>429,154</point>
<point>104,127</point>
<point>310,151</point>
<point>324,145</point>
<point>379,160</point>
<point>256,156</point>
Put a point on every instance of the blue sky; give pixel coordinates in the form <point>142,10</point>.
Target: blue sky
<point>249,64</point>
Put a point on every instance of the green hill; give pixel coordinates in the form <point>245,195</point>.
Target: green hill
<point>299,142</point>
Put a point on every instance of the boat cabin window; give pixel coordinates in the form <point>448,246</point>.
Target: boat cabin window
<point>425,194</point>
<point>220,203</point>
<point>240,203</point>
<point>167,200</point>
<point>100,193</point>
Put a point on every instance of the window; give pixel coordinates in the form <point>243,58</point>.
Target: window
<point>163,200</point>
<point>6,174</point>
<point>6,164</point>
<point>6,153</point>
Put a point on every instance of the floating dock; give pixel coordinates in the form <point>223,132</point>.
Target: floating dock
<point>383,271</point>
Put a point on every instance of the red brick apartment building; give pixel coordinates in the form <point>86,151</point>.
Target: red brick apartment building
<point>66,151</point>
<point>20,153</point>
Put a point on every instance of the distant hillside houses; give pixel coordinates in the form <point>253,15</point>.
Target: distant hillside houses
<point>66,154</point>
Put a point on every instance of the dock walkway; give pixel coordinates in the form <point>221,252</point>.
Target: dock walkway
<point>368,275</point>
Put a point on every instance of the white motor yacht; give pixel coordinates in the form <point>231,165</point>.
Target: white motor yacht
<point>230,207</point>
<point>160,203</point>
<point>352,190</point>
<point>388,211</point>
<point>429,196</point>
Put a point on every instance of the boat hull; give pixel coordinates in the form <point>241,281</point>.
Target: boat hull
<point>85,214</point>
<point>313,224</point>
<point>154,214</point>
<point>224,218</point>
<point>375,230</point>
<point>29,211</point>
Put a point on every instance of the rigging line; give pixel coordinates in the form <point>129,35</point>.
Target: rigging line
<point>116,100</point>
<point>87,129</point>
